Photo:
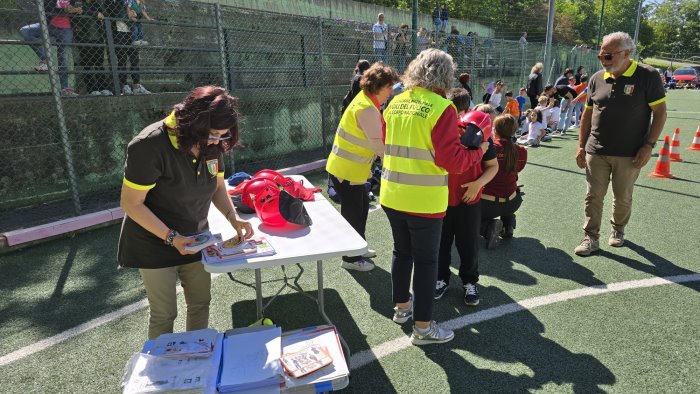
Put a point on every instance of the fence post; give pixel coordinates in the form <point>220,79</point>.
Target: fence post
<point>303,59</point>
<point>222,46</point>
<point>56,92</point>
<point>111,53</point>
<point>321,87</point>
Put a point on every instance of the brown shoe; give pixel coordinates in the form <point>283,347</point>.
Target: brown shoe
<point>617,238</point>
<point>587,246</point>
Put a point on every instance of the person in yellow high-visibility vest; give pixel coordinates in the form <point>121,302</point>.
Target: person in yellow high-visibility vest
<point>358,141</point>
<point>422,147</point>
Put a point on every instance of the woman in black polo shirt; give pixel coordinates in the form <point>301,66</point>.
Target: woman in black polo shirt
<point>174,170</point>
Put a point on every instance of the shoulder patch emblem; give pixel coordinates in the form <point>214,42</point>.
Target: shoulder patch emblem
<point>213,167</point>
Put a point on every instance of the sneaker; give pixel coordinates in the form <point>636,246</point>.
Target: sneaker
<point>402,315</point>
<point>471,295</point>
<point>432,334</point>
<point>141,90</point>
<point>95,93</point>
<point>440,289</point>
<point>126,90</point>
<point>42,67</point>
<point>359,265</point>
<point>617,238</point>
<point>68,92</point>
<point>493,229</point>
<point>370,254</point>
<point>107,92</point>
<point>587,246</point>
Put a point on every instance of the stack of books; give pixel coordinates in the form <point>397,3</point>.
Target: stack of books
<point>251,359</point>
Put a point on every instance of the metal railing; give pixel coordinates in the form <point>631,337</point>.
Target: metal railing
<point>64,152</point>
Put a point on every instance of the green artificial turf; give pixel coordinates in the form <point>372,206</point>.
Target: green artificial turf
<point>641,340</point>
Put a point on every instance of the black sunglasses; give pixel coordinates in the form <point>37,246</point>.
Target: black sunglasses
<point>609,56</point>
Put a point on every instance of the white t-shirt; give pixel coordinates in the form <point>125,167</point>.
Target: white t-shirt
<point>536,130</point>
<point>555,114</point>
<point>546,113</point>
<point>495,99</point>
<point>380,35</point>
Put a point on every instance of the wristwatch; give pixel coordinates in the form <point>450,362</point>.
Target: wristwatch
<point>170,237</point>
<point>651,143</point>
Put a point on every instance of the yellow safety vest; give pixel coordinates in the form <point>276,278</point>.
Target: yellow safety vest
<point>411,181</point>
<point>352,155</point>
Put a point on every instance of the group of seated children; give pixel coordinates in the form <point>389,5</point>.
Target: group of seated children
<point>539,121</point>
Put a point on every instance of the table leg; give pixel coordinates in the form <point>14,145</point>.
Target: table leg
<point>258,294</point>
<point>322,308</point>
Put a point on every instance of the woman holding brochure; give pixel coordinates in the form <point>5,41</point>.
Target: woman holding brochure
<point>174,170</point>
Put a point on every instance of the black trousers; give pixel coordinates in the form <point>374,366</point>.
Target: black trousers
<point>92,59</point>
<point>461,224</point>
<point>533,101</point>
<point>354,207</point>
<point>416,244</point>
<point>504,210</point>
<point>126,53</point>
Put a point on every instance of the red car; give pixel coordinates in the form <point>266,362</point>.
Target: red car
<point>685,78</point>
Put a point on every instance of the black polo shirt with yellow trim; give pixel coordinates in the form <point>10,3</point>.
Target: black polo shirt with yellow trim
<point>622,109</point>
<point>180,190</point>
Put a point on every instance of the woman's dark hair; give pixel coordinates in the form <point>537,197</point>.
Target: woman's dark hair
<point>206,108</point>
<point>578,70</point>
<point>539,115</point>
<point>464,78</point>
<point>361,66</point>
<point>505,126</point>
<point>460,98</point>
<point>378,76</point>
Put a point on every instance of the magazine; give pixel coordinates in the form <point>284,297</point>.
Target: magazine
<point>234,249</point>
<point>202,240</point>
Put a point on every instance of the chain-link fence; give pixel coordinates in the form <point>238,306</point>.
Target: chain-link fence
<point>111,71</point>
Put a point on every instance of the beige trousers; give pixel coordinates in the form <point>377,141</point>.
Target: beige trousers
<point>160,289</point>
<point>600,171</point>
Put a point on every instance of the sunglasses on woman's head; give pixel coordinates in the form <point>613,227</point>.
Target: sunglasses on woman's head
<point>221,138</point>
<point>608,56</point>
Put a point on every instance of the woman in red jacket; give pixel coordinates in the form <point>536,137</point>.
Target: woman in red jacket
<point>501,197</point>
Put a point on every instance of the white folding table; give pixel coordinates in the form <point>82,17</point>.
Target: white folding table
<point>329,236</point>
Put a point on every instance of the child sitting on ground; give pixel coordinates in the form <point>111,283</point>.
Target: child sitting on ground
<point>512,106</point>
<point>535,128</point>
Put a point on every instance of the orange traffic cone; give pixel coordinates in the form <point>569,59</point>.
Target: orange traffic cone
<point>663,164</point>
<point>696,141</point>
<point>676,146</point>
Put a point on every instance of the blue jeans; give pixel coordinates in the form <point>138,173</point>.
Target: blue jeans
<point>136,31</point>
<point>578,110</point>
<point>380,55</point>
<point>565,119</point>
<point>443,24</point>
<point>416,247</point>
<point>64,40</point>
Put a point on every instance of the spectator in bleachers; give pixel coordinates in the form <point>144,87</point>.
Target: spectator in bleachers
<point>381,36</point>
<point>423,40</point>
<point>358,142</point>
<point>455,44</point>
<point>436,18</point>
<point>403,42</point>
<point>464,79</point>
<point>361,66</point>
<point>523,41</point>
<point>136,10</point>
<point>89,30</point>
<point>535,84</point>
<point>59,14</point>
<point>124,51</point>
<point>501,197</point>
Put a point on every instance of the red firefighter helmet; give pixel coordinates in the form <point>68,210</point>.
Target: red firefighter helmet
<point>271,175</point>
<point>252,188</point>
<point>266,204</point>
<point>479,119</point>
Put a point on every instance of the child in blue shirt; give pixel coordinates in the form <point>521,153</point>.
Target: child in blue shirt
<point>522,99</point>
<point>136,10</point>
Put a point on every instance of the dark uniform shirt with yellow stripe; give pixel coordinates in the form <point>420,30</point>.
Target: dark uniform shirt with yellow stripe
<point>622,109</point>
<point>180,190</point>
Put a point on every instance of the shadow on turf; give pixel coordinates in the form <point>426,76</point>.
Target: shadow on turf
<point>516,338</point>
<point>531,253</point>
<point>659,266</point>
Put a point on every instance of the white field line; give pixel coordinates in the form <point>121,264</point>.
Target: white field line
<point>365,357</point>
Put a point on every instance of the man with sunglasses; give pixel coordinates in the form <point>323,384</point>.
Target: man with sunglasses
<point>617,135</point>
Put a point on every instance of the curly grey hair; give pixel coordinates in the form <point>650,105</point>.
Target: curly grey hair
<point>623,39</point>
<point>431,69</point>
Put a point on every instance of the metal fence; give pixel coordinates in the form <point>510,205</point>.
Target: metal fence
<point>68,116</point>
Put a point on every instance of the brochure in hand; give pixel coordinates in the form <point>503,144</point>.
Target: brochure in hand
<point>202,240</point>
<point>234,249</point>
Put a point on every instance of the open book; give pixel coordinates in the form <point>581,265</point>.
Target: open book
<point>202,240</point>
<point>234,249</point>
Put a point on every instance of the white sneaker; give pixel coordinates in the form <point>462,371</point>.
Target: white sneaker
<point>141,90</point>
<point>106,92</point>
<point>371,253</point>
<point>42,67</point>
<point>95,93</point>
<point>432,334</point>
<point>359,265</point>
<point>126,90</point>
